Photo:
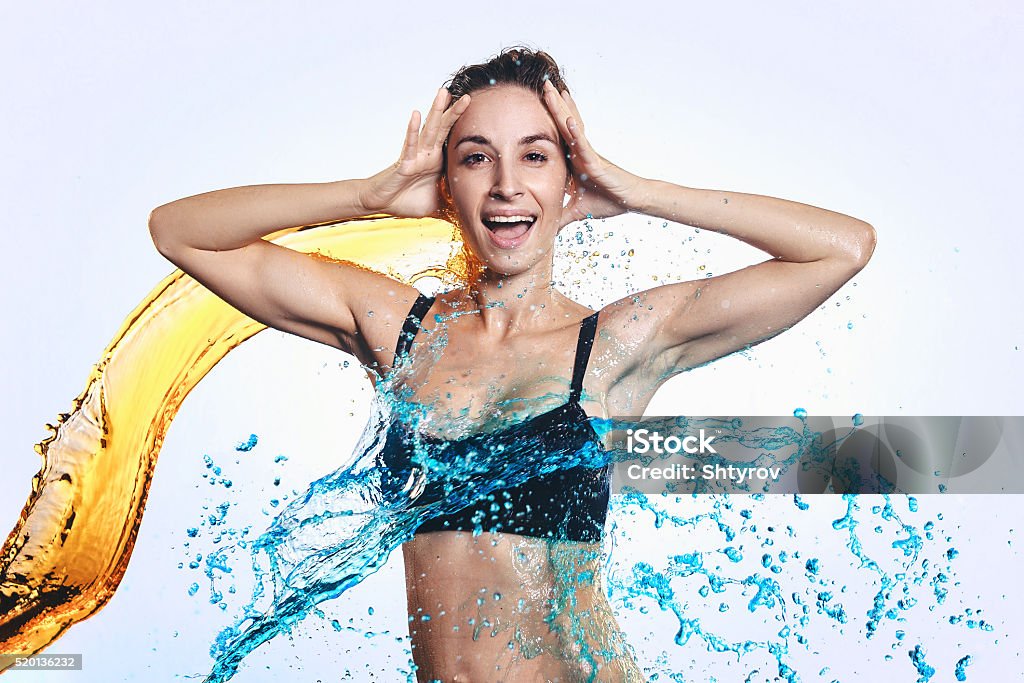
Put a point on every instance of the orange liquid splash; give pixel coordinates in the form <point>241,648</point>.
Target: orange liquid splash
<point>71,545</point>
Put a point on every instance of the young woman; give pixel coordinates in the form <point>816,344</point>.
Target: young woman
<point>503,153</point>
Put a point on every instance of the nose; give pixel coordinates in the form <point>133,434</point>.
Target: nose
<point>506,182</point>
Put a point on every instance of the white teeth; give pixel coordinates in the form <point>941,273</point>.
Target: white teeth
<point>509,219</point>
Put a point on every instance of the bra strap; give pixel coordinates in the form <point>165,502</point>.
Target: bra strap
<point>583,346</point>
<point>412,325</point>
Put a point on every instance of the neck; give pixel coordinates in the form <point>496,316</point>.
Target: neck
<point>509,303</point>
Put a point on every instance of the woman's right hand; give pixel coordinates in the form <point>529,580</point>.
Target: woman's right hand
<point>410,188</point>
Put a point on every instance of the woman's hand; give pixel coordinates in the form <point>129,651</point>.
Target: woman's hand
<point>599,188</point>
<point>410,188</point>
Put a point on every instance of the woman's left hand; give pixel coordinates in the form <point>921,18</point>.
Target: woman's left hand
<point>599,188</point>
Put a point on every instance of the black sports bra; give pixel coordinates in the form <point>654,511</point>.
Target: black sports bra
<point>569,504</point>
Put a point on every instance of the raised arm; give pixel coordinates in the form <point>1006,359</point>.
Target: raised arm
<point>815,251</point>
<point>217,239</point>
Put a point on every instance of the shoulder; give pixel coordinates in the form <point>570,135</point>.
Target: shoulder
<point>384,313</point>
<point>618,328</point>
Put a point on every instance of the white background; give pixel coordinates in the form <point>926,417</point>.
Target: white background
<point>901,115</point>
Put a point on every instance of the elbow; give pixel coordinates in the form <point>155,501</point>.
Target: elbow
<point>859,245</point>
<point>868,241</point>
<point>159,230</point>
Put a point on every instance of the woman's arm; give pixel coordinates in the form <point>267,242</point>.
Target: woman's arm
<point>789,231</point>
<point>217,239</point>
<point>815,251</point>
<point>228,219</point>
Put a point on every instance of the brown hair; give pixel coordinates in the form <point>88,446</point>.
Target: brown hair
<point>517,65</point>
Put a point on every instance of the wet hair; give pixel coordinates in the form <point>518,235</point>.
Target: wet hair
<point>512,66</point>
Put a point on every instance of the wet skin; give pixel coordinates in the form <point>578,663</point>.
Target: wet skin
<point>505,161</point>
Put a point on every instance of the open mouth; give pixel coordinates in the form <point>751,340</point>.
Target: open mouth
<point>509,231</point>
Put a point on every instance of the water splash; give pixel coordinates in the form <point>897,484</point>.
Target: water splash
<point>72,543</point>
<point>780,582</point>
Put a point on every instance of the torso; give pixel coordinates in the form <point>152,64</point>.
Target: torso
<point>472,386</point>
<point>527,374</point>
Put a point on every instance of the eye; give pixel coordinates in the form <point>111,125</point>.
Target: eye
<point>537,157</point>
<point>474,159</point>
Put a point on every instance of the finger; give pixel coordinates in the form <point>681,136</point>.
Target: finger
<point>567,98</point>
<point>581,145</point>
<point>571,129</point>
<point>433,123</point>
<point>450,117</point>
<point>412,137</point>
<point>562,102</point>
<point>555,104</point>
<point>558,110</point>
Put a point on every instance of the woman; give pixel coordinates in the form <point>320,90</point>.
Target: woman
<point>503,153</point>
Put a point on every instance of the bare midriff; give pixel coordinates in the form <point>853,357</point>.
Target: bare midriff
<point>505,607</point>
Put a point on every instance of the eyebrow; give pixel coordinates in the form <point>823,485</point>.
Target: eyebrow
<point>528,140</point>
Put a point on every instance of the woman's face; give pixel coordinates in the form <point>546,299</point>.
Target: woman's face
<point>507,177</point>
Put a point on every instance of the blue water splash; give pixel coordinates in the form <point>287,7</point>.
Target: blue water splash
<point>961,668</point>
<point>925,672</point>
<point>345,525</point>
